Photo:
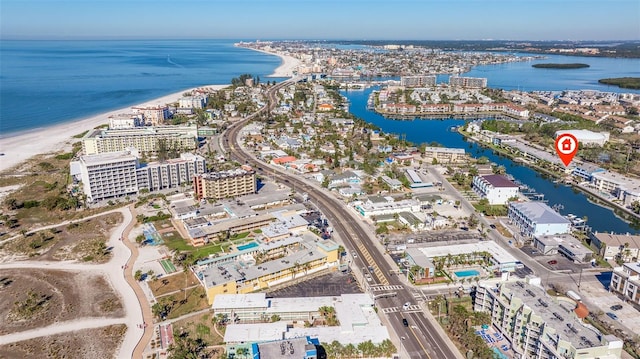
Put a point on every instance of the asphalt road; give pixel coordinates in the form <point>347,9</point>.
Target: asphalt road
<point>420,339</point>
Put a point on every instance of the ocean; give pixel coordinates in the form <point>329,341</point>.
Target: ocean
<point>49,82</point>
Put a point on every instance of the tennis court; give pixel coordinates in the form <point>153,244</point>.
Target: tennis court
<point>167,266</point>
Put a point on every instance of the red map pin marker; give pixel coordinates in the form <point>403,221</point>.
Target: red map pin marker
<point>566,147</point>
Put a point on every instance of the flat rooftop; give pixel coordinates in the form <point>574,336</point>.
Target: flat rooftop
<point>558,315</point>
<point>293,348</point>
<point>238,333</point>
<point>108,157</point>
<point>498,253</point>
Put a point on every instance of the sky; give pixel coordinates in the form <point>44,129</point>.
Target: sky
<point>328,19</point>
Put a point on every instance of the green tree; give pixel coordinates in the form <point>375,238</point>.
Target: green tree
<point>185,347</point>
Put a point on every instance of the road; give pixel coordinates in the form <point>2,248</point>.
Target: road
<point>421,339</point>
<point>113,271</point>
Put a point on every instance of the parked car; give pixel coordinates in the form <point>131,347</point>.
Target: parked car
<point>612,316</point>
<point>616,307</point>
<point>552,262</point>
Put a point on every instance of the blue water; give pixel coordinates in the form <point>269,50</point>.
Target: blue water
<point>467,273</point>
<point>520,75</point>
<point>425,131</point>
<point>48,82</point>
<point>247,246</point>
<point>499,354</point>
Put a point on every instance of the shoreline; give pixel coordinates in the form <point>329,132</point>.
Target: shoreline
<point>21,146</point>
<point>285,69</point>
<point>589,194</point>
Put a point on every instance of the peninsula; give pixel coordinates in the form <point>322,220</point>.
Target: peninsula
<point>623,82</point>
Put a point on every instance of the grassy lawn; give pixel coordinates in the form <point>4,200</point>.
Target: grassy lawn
<point>205,251</point>
<point>196,300</point>
<point>174,241</point>
<point>239,235</point>
<point>171,283</point>
<point>200,326</point>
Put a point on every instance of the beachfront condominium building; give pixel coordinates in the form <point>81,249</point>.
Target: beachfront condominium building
<point>541,327</point>
<point>468,82</point>
<point>121,121</point>
<point>418,81</point>
<point>144,139</point>
<point>225,184</point>
<point>626,281</point>
<point>155,115</point>
<point>119,174</point>
<point>171,173</point>
<point>197,102</point>
<point>497,189</point>
<point>537,219</point>
<point>107,175</point>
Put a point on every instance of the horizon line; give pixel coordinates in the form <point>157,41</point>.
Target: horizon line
<point>137,38</point>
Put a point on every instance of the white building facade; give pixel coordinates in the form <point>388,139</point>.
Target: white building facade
<point>537,219</point>
<point>496,188</point>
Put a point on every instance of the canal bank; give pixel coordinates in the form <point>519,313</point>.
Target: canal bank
<point>568,199</point>
<point>594,196</point>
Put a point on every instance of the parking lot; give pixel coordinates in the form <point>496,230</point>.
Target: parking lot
<point>555,262</point>
<point>332,284</point>
<point>599,296</point>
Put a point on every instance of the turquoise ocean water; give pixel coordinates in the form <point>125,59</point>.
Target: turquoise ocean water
<point>48,82</point>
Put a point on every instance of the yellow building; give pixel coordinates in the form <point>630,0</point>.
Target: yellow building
<point>225,184</point>
<point>259,266</point>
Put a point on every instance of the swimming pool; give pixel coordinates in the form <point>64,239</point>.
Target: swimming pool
<point>467,273</point>
<point>247,246</point>
<point>499,354</point>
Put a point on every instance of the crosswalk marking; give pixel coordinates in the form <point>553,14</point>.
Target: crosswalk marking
<point>410,309</point>
<point>380,288</point>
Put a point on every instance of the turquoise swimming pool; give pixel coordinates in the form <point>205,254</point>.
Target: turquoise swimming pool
<point>467,273</point>
<point>500,354</point>
<point>247,246</point>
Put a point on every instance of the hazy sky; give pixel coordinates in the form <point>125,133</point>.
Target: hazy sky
<point>329,19</point>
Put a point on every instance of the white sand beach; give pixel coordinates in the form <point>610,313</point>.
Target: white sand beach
<point>22,146</point>
<point>287,67</point>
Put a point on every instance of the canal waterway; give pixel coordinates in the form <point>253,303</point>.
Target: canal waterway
<point>418,131</point>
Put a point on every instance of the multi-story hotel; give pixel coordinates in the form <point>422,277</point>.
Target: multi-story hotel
<point>472,82</point>
<point>418,81</point>
<point>626,281</point>
<point>107,175</point>
<point>171,173</point>
<point>143,139</point>
<point>118,174</point>
<point>225,184</point>
<point>541,327</point>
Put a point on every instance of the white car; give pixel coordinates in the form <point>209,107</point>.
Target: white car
<point>406,306</point>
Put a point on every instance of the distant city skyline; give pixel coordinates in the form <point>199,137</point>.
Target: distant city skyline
<point>331,19</point>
